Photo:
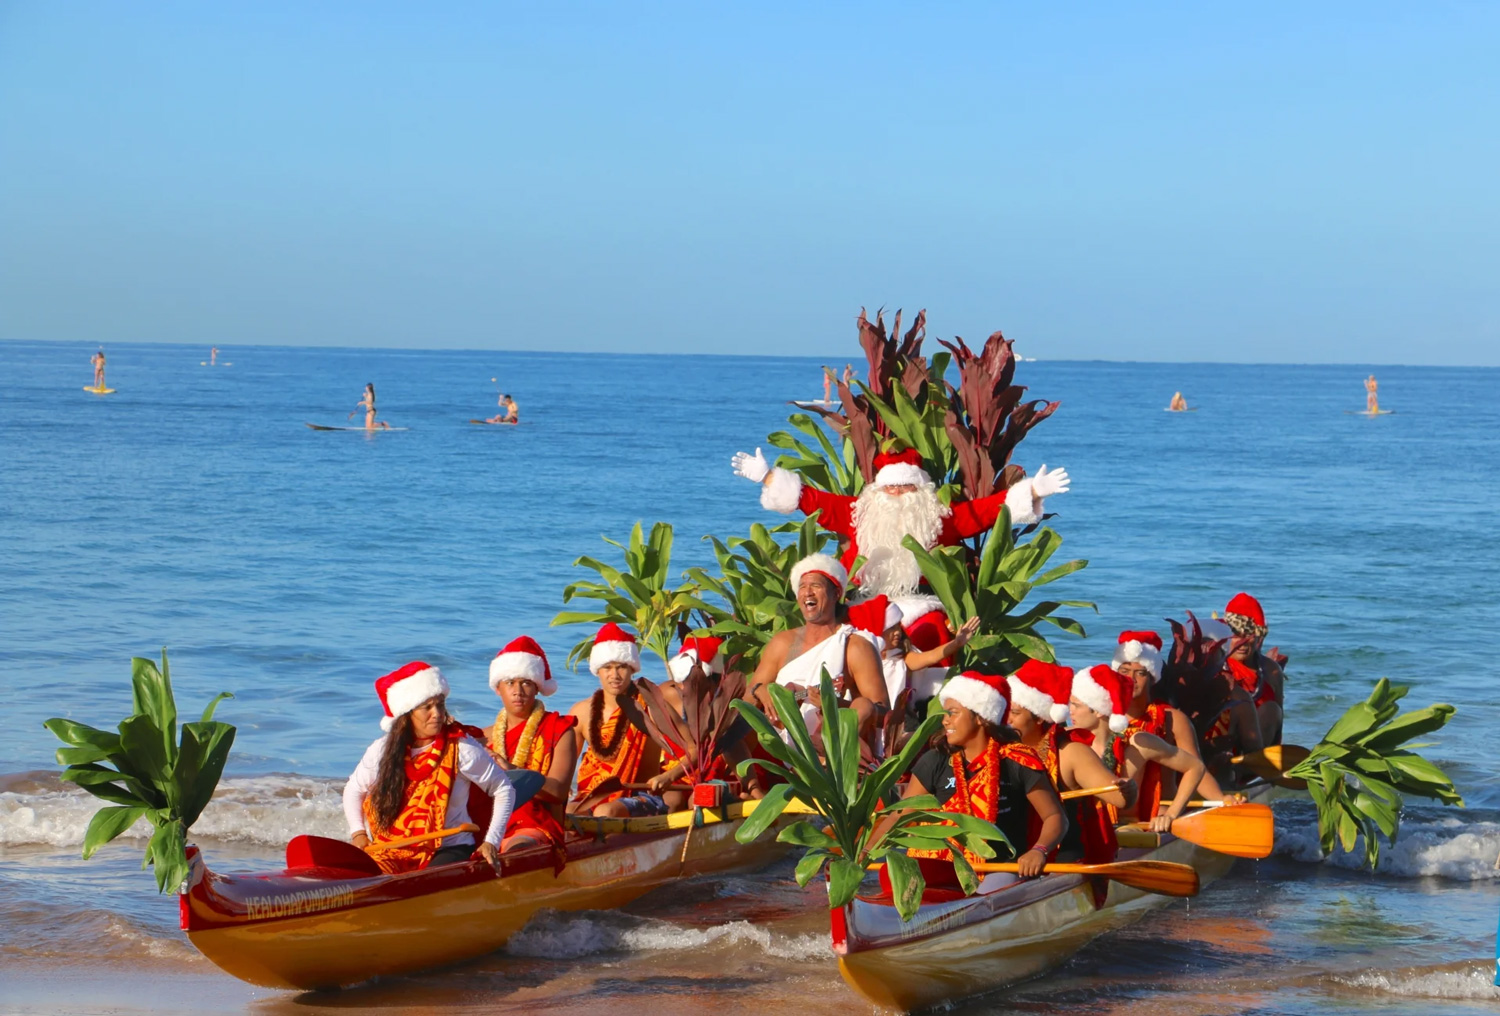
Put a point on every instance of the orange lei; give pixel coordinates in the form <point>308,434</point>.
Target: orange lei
<point>594,769</point>
<point>429,784</point>
<point>531,752</point>
<point>979,795</point>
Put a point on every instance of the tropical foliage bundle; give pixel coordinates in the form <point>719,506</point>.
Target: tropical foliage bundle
<point>154,776</point>
<point>1361,770</point>
<point>704,723</point>
<point>851,804</point>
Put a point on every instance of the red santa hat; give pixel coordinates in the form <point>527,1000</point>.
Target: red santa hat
<point>1106,693</point>
<point>1139,647</point>
<point>903,468</point>
<point>983,693</point>
<point>700,651</point>
<point>874,615</point>
<point>522,659</point>
<point>1032,689</point>
<point>1244,616</point>
<point>614,644</point>
<point>403,690</point>
<point>821,564</point>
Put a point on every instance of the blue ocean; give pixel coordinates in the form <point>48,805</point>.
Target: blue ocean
<point>192,509</point>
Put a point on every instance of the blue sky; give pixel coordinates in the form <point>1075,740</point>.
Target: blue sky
<point>1271,182</point>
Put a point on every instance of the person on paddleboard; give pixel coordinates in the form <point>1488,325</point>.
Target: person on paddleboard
<point>526,735</point>
<point>213,356</point>
<point>367,403</point>
<point>976,767</point>
<point>97,361</point>
<point>796,658</point>
<point>509,413</point>
<point>416,779</point>
<point>1098,703</point>
<point>619,748</point>
<point>1372,395</point>
<point>1178,404</point>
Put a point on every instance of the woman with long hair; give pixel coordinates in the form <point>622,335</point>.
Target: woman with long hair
<point>367,403</point>
<point>415,779</point>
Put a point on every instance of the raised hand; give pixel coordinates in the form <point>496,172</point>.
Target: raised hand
<point>752,467</point>
<point>1045,484</point>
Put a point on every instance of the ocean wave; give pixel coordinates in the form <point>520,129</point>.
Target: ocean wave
<point>1471,979</point>
<point>557,935</point>
<point>1444,846</point>
<point>261,810</point>
<point>36,932</point>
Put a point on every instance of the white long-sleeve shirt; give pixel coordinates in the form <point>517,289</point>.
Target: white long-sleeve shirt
<point>475,765</point>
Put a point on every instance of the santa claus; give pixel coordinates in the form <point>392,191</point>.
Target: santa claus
<point>900,501</point>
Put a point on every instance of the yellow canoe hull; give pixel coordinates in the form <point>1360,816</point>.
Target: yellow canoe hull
<point>345,945</point>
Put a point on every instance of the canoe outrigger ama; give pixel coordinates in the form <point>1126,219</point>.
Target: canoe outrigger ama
<point>331,919</point>
<point>958,946</point>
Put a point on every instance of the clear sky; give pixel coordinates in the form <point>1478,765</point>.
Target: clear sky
<point>1198,181</point>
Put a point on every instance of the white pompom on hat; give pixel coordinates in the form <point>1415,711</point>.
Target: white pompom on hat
<point>982,693</point>
<point>614,644</point>
<point>522,659</point>
<point>821,564</point>
<point>403,690</point>
<point>1106,693</point>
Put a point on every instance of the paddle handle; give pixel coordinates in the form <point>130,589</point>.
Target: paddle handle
<point>1068,795</point>
<point>647,786</point>
<point>1051,869</point>
<point>467,827</point>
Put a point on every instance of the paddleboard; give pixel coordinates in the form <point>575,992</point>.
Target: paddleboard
<point>816,404</point>
<point>1366,412</point>
<point>1189,409</point>
<point>497,423</point>
<point>359,430</point>
<point>98,391</point>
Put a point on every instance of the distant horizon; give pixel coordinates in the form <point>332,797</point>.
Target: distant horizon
<point>858,361</point>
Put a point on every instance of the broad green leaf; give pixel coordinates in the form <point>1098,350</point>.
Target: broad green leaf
<point>812,862</point>
<point>805,834</point>
<point>967,880</point>
<point>765,814</point>
<point>106,824</point>
<point>907,884</point>
<point>844,877</point>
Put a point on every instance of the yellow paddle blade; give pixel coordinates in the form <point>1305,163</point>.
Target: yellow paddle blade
<point>1165,878</point>
<point>1239,830</point>
<point>1271,764</point>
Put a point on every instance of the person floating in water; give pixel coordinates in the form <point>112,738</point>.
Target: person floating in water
<point>1372,396</point>
<point>510,412</point>
<point>1179,404</point>
<point>213,356</point>
<point>367,403</point>
<point>97,360</point>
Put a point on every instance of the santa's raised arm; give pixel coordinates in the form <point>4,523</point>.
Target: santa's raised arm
<point>900,501</point>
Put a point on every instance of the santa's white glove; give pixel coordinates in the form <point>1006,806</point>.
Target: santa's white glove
<point>1045,484</point>
<point>753,467</point>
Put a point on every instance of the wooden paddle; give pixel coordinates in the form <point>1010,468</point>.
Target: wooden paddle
<point>1271,764</point>
<point>467,827</point>
<point>1068,795</point>
<point>1239,830</point>
<point>1165,878</point>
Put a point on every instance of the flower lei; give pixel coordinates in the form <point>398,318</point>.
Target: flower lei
<point>528,735</point>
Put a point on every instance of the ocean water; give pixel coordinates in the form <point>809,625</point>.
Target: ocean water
<point>193,510</point>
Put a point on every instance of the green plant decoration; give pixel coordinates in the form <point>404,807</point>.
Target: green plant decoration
<point>155,776</point>
<point>851,803</point>
<point>639,595</point>
<point>1360,772</point>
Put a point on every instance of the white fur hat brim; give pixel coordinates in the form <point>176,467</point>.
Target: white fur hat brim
<point>521,666</point>
<point>820,563</point>
<point>411,691</point>
<point>1031,700</point>
<point>1138,652</point>
<point>986,702</point>
<point>901,474</point>
<point>681,665</point>
<point>615,651</point>
<point>919,606</point>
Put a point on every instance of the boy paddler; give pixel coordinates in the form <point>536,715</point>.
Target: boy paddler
<point>619,748</point>
<point>976,769</point>
<point>1099,700</point>
<point>415,779</point>
<point>526,735</point>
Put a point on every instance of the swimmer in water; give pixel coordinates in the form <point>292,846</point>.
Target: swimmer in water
<point>213,356</point>
<point>1179,404</point>
<point>367,403</point>
<point>97,360</point>
<point>1372,397</point>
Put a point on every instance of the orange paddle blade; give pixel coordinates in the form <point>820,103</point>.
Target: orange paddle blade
<point>1239,830</point>
<point>1165,878</point>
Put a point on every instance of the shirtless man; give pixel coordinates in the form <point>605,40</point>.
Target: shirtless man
<point>97,360</point>
<point>511,413</point>
<point>796,658</point>
<point>1179,404</point>
<point>1372,397</point>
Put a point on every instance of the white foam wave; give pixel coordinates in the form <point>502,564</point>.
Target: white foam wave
<point>554,935</point>
<point>1468,980</point>
<point>265,810</point>
<point>1448,847</point>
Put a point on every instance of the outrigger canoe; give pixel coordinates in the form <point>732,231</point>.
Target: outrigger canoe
<point>957,946</point>
<point>316,925</point>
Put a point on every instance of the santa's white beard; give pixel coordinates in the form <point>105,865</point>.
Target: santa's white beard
<point>881,521</point>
